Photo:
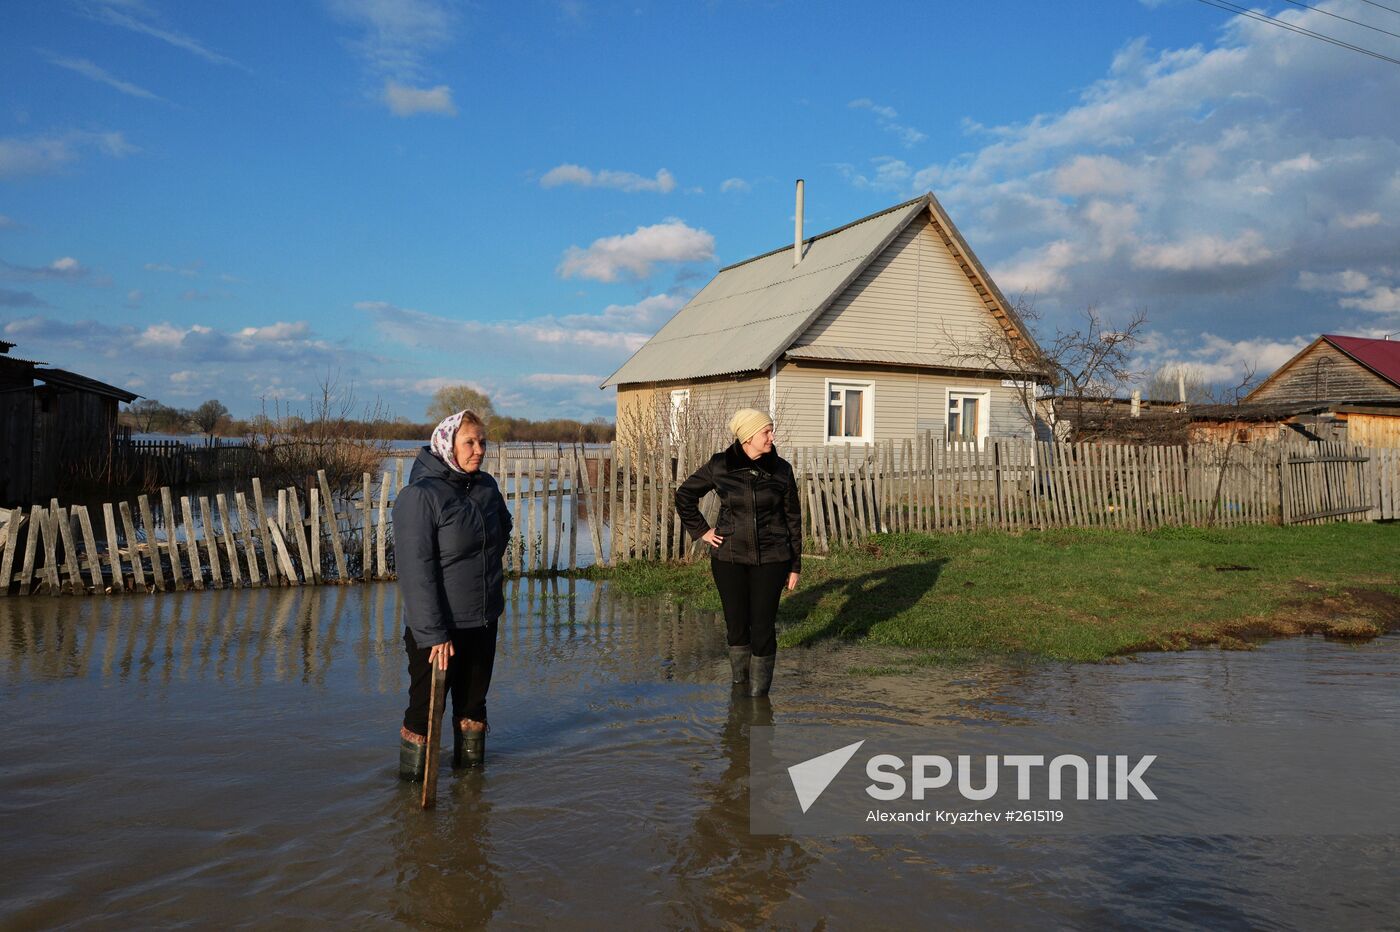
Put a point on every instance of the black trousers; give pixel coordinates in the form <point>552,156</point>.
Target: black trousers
<point>468,676</point>
<point>750,597</point>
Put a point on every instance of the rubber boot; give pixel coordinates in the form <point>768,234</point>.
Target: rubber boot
<point>413,755</point>
<point>468,744</point>
<point>739,664</point>
<point>762,676</point>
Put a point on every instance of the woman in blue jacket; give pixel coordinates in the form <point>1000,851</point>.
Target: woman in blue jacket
<point>451,526</point>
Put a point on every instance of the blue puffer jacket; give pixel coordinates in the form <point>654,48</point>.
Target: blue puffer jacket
<point>450,534</point>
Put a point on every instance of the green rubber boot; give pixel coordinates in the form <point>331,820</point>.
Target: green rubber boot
<point>762,676</point>
<point>739,664</point>
<point>468,745</point>
<point>413,755</point>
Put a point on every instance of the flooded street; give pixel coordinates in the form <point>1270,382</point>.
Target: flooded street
<point>229,759</point>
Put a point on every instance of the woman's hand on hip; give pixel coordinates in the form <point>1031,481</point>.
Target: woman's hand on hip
<point>439,654</point>
<point>711,538</point>
<point>792,582</point>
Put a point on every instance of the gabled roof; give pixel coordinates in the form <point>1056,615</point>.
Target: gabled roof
<point>83,383</point>
<point>751,312</point>
<point>1380,356</point>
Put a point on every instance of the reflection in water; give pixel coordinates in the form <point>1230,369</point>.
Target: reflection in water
<point>231,754</point>
<point>719,863</point>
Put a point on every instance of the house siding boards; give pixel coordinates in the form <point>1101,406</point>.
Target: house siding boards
<point>1323,372</point>
<point>913,297</point>
<point>711,403</point>
<point>905,401</point>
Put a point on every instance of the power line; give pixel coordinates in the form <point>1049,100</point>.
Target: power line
<point>1382,6</point>
<point>1265,18</point>
<point>1354,22</point>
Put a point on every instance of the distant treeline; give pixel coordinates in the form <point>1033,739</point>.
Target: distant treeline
<point>149,416</point>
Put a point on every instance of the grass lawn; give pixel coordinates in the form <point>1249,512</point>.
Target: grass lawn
<point>1076,594</point>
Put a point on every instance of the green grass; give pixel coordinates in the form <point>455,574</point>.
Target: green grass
<point>1076,594</point>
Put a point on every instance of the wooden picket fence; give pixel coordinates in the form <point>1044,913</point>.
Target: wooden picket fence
<point>575,507</point>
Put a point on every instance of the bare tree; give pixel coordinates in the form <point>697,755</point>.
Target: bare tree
<point>1167,382</point>
<point>1082,364</point>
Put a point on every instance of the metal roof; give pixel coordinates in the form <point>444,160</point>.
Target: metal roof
<point>751,312</point>
<point>827,353</point>
<point>83,383</point>
<point>1380,356</point>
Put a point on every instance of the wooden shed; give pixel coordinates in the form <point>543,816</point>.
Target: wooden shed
<point>1370,424</point>
<point>875,330</point>
<point>1335,368</point>
<point>53,424</point>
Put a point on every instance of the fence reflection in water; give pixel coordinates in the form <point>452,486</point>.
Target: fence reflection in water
<point>247,636</point>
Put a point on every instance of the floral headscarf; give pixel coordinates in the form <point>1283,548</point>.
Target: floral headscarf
<point>442,443</point>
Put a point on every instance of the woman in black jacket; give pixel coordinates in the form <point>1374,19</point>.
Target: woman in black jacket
<point>451,526</point>
<point>755,545</point>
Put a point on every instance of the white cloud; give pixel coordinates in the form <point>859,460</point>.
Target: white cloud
<point>1093,174</point>
<point>397,34</point>
<point>139,18</point>
<point>559,378</point>
<point>1218,360</point>
<point>1360,220</point>
<point>1203,251</point>
<point>404,101</point>
<point>280,332</point>
<point>186,271</point>
<point>8,223</point>
<point>96,73</point>
<point>65,268</point>
<point>36,155</point>
<point>635,254</point>
<point>885,118</point>
<point>663,183</point>
<point>733,186</point>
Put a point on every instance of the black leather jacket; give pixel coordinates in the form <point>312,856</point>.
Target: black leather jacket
<point>450,534</point>
<point>760,514</point>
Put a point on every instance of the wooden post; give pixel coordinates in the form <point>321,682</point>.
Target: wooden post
<point>264,532</point>
<point>283,557</point>
<point>234,572</point>
<point>381,529</point>
<point>70,550</point>
<point>7,560</point>
<point>143,503</point>
<point>172,547</point>
<point>133,545</point>
<point>114,553</point>
<point>31,546</point>
<point>333,526</point>
<point>191,544</point>
<point>211,543</point>
<point>575,488</point>
<point>296,526</point>
<point>250,550</point>
<point>558,471</point>
<point>313,511</point>
<point>366,527</point>
<point>94,561</point>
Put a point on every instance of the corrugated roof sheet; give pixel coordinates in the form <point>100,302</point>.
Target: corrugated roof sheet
<point>1380,356</point>
<point>827,353</point>
<point>750,312</point>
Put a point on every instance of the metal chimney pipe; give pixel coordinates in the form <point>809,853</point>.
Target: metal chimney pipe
<point>797,227</point>
<point>1181,384</point>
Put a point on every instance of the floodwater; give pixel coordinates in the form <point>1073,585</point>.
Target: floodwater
<point>229,759</point>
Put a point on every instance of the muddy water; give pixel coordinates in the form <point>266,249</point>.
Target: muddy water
<point>228,759</point>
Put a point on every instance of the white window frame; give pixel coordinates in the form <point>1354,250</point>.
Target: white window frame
<point>867,426</point>
<point>676,412</point>
<point>984,413</point>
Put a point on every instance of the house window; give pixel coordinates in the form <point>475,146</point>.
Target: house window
<point>967,416</point>
<point>849,413</point>
<point>679,400</point>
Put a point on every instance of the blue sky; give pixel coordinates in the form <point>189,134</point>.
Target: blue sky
<point>231,200</point>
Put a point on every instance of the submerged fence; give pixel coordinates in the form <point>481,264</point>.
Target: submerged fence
<point>575,507</point>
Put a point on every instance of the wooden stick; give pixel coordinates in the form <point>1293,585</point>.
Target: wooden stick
<point>94,563</point>
<point>229,545</point>
<point>366,561</point>
<point>332,526</point>
<point>436,701</point>
<point>133,545</point>
<point>297,528</point>
<point>211,542</point>
<point>264,532</point>
<point>143,504</point>
<point>250,549</point>
<point>191,544</point>
<point>171,544</point>
<point>31,546</point>
<point>70,550</point>
<point>313,508</point>
<point>7,562</point>
<point>114,553</point>
<point>381,529</point>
